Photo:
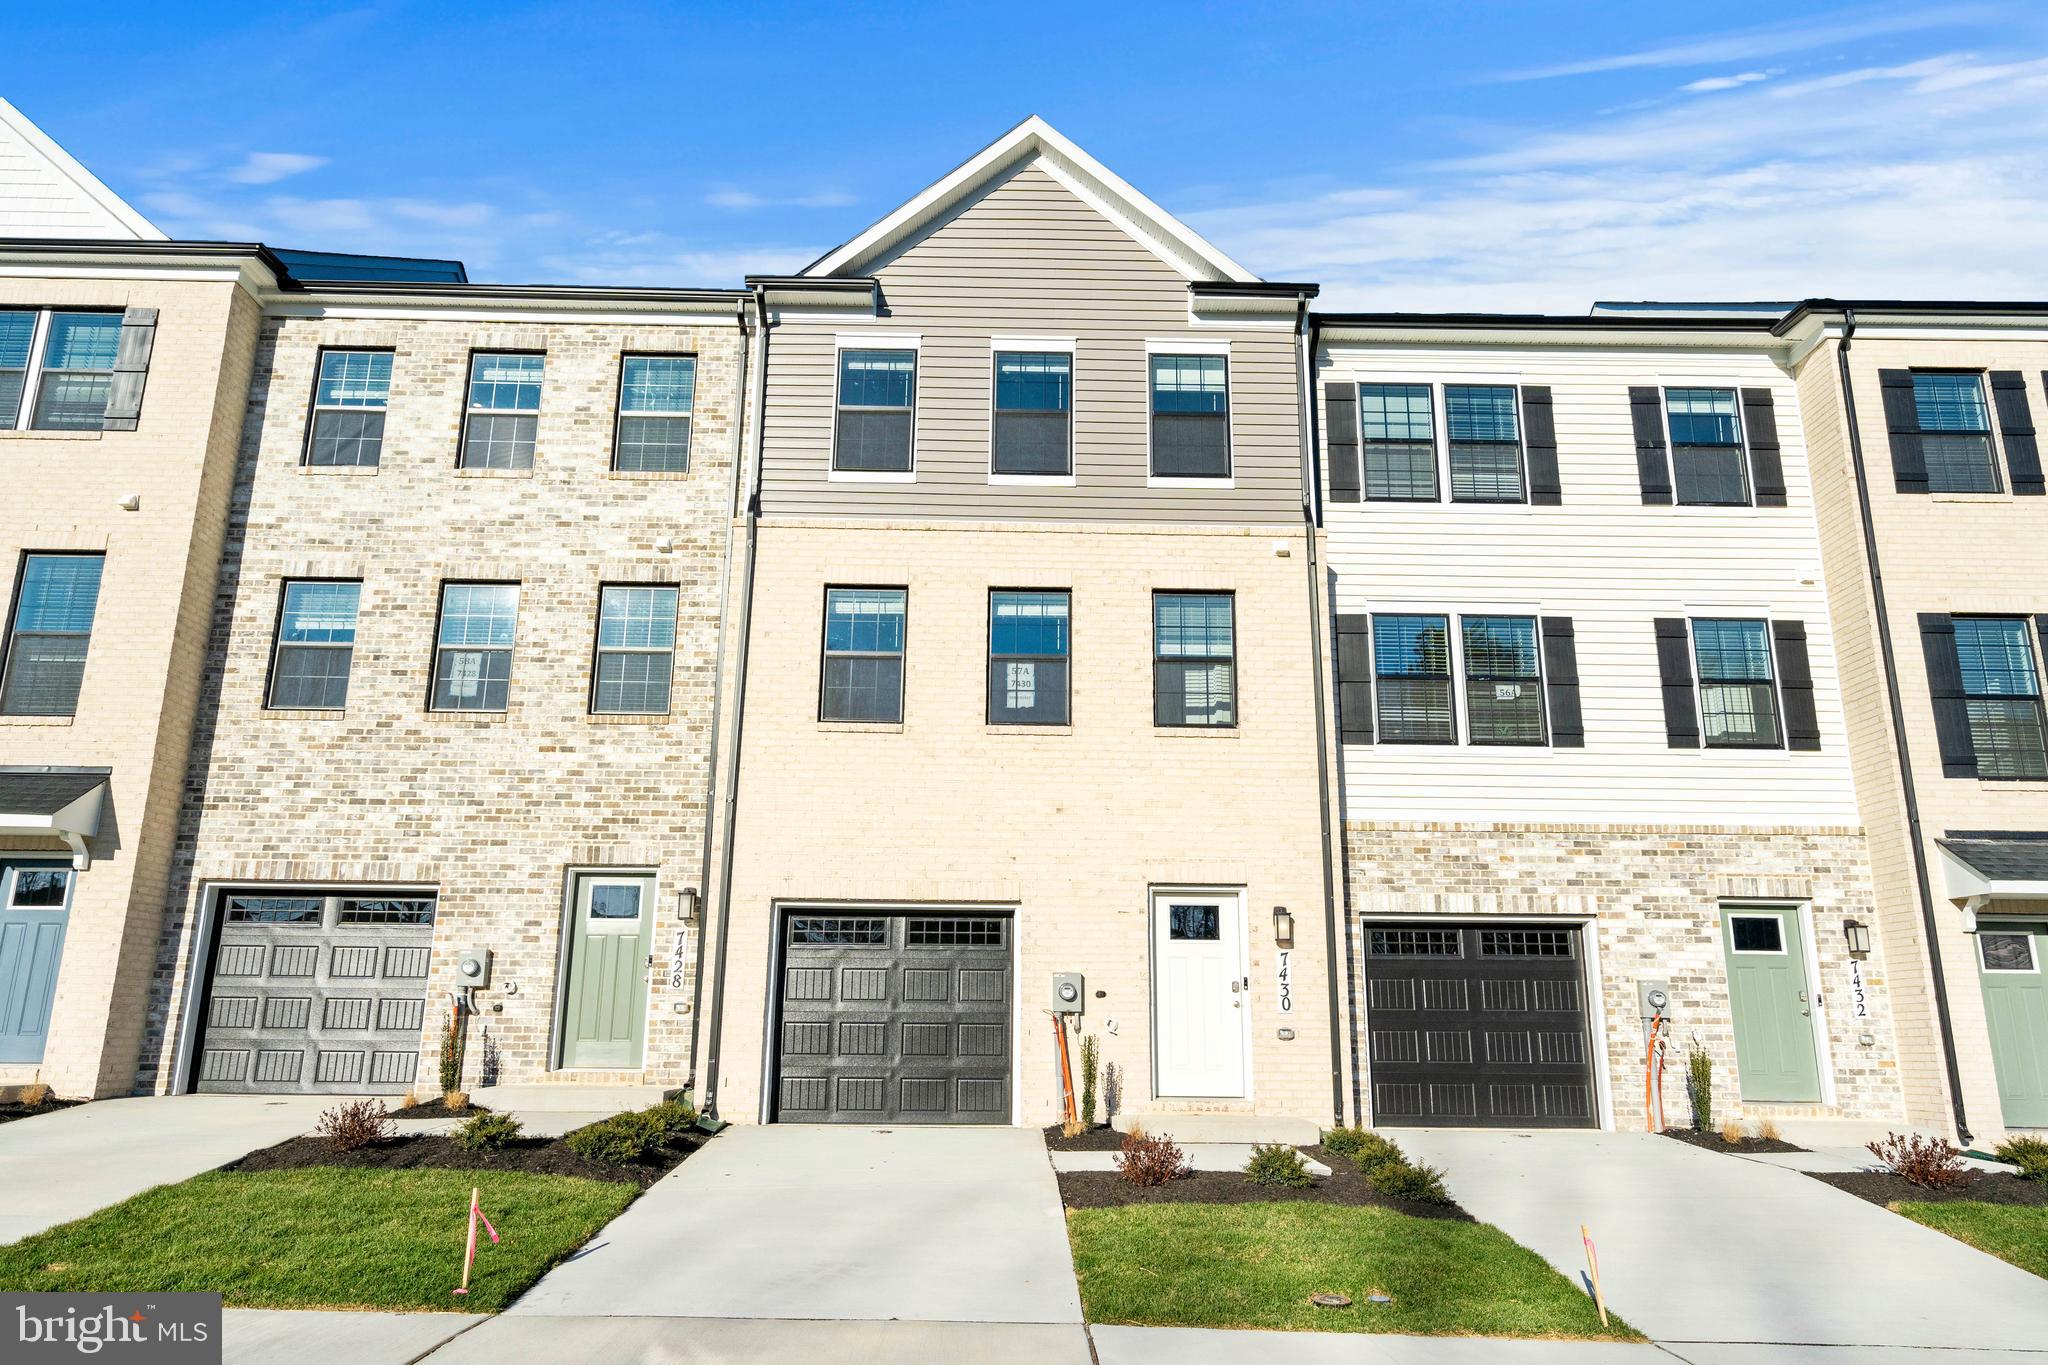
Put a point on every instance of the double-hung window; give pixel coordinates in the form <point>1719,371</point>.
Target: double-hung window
<point>349,401</point>
<point>1027,658</point>
<point>473,649</point>
<point>1955,432</point>
<point>1486,442</point>
<point>60,383</point>
<point>1738,691</point>
<point>1708,466</point>
<point>873,431</point>
<point>503,415</point>
<point>2002,695</point>
<point>636,649</point>
<point>46,643</point>
<point>1503,680</point>
<point>1412,679</point>
<point>1397,435</point>
<point>1034,411</point>
<point>863,674</point>
<point>657,394</point>
<point>1194,659</point>
<point>316,645</point>
<point>1190,416</point>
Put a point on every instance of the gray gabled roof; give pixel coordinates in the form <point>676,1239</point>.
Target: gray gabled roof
<point>2001,856</point>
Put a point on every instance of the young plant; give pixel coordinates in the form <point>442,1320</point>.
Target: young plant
<point>1151,1160</point>
<point>2029,1154</point>
<point>34,1095</point>
<point>357,1123</point>
<point>1733,1133</point>
<point>487,1132</point>
<point>1091,1058</point>
<point>455,1101</point>
<point>1409,1180</point>
<point>1767,1129</point>
<point>1366,1148</point>
<point>620,1139</point>
<point>451,1053</point>
<point>1699,1088</point>
<point>676,1117</point>
<point>1931,1163</point>
<point>1278,1164</point>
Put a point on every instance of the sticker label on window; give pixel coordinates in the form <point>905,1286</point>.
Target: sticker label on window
<point>1507,691</point>
<point>465,675</point>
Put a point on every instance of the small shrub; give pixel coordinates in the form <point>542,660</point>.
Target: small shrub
<point>451,1053</point>
<point>1732,1131</point>
<point>2030,1154</point>
<point>620,1139</point>
<point>1345,1141</point>
<point>676,1117</point>
<point>1278,1164</point>
<point>1072,1128</point>
<point>1091,1058</point>
<point>358,1123</point>
<point>1408,1180</point>
<point>1932,1163</point>
<point>1151,1160</point>
<point>34,1095</point>
<point>1366,1148</point>
<point>1699,1088</point>
<point>487,1132</point>
<point>1767,1129</point>
<point>455,1101</point>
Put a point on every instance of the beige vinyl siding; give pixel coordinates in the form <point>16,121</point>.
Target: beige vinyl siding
<point>1612,565</point>
<point>1029,258</point>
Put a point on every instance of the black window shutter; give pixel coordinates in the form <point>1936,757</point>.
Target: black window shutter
<point>1561,683</point>
<point>1766,467</point>
<point>1653,462</point>
<point>1340,402</point>
<point>1539,433</point>
<point>1902,419</point>
<point>131,369</point>
<point>1354,678</point>
<point>1945,686</point>
<point>1674,661</point>
<point>1795,686</point>
<point>2016,429</point>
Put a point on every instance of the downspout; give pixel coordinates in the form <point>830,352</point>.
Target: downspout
<point>739,452</point>
<point>1309,483</point>
<point>709,1099</point>
<point>1929,924</point>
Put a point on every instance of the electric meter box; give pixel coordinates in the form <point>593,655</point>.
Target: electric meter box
<point>1068,990</point>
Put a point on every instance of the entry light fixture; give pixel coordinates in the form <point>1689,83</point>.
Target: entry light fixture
<point>1858,935</point>
<point>686,905</point>
<point>1283,927</point>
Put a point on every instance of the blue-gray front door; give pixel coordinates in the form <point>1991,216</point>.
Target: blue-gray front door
<point>35,908</point>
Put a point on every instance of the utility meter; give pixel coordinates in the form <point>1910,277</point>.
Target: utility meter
<point>473,968</point>
<point>1067,991</point>
<point>1656,998</point>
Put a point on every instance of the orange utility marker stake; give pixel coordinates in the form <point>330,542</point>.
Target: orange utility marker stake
<point>476,1215</point>
<point>1592,1265</point>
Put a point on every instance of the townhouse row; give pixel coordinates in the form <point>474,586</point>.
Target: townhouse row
<point>793,692</point>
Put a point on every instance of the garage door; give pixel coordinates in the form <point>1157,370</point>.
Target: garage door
<point>316,994</point>
<point>894,1019</point>
<point>1478,1026</point>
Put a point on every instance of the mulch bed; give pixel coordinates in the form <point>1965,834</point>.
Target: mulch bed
<point>11,1111</point>
<point>434,1109</point>
<point>1985,1187</point>
<point>1714,1142</point>
<point>1344,1185</point>
<point>1103,1139</point>
<point>541,1156</point>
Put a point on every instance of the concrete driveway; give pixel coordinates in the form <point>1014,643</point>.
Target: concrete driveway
<point>1699,1249</point>
<point>61,1166</point>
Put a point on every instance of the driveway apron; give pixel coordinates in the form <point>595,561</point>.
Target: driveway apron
<point>917,1224</point>
<point>1697,1246</point>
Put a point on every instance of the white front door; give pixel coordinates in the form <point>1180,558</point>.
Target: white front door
<point>1198,995</point>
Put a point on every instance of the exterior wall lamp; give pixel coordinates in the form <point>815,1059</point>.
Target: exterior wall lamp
<point>686,904</point>
<point>1858,935</point>
<point>1283,927</point>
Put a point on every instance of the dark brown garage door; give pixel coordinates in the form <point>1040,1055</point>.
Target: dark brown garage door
<point>1477,1026</point>
<point>894,1018</point>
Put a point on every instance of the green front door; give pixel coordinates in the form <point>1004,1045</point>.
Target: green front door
<point>1774,1054</point>
<point>604,1007</point>
<point>2016,1009</point>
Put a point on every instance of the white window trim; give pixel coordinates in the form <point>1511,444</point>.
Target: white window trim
<point>313,416</point>
<point>38,343</point>
<point>2001,469</point>
<point>876,341</point>
<point>2009,928</point>
<point>1461,721</point>
<point>470,409</point>
<point>1440,438</point>
<point>511,650</point>
<point>1008,344</point>
<point>600,649</point>
<point>1776,916</point>
<point>1154,346</point>
<point>1783,747</point>
<point>1664,388</point>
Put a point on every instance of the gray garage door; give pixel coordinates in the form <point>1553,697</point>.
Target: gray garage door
<point>1477,1025</point>
<point>894,1019</point>
<point>316,993</point>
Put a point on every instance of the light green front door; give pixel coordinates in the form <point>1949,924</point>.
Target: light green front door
<point>1774,1053</point>
<point>2016,1009</point>
<point>604,1008</point>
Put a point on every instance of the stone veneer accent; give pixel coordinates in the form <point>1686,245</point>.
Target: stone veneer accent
<point>1654,892</point>
<point>493,810</point>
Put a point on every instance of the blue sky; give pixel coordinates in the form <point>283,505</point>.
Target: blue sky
<point>1453,155</point>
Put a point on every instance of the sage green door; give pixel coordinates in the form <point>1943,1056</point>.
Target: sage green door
<point>1767,990</point>
<point>2016,1009</point>
<point>604,1006</point>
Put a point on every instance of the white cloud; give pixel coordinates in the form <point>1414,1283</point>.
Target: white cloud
<point>1767,40</point>
<point>744,200</point>
<point>267,168</point>
<point>1709,84</point>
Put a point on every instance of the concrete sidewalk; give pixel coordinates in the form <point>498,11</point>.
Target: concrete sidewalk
<point>260,1336</point>
<point>61,1166</point>
<point>1706,1252</point>
<point>728,1341</point>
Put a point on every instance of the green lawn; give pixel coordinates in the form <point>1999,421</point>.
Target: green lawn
<point>322,1238</point>
<point>2011,1232</point>
<point>1255,1265</point>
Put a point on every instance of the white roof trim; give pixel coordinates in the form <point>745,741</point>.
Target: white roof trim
<point>1965,882</point>
<point>1038,142</point>
<point>67,168</point>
